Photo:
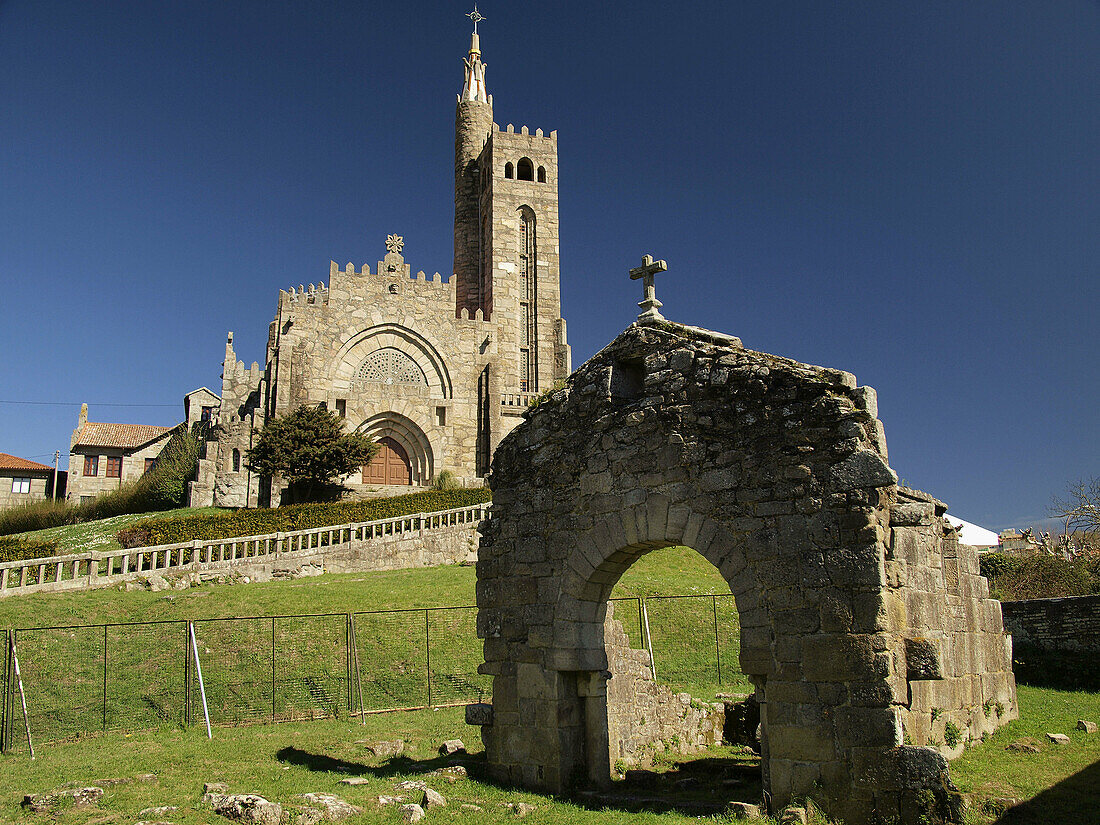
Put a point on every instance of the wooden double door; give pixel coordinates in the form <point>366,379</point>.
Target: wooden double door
<point>389,466</point>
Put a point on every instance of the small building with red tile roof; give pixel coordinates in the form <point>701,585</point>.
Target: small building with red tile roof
<point>23,481</point>
<point>102,456</point>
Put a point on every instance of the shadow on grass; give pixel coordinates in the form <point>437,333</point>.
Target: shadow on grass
<point>1076,799</point>
<point>395,766</point>
<point>692,787</point>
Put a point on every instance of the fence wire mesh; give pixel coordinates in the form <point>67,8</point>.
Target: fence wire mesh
<point>62,674</point>
<point>145,666</point>
<point>392,657</point>
<point>311,678</point>
<point>142,675</point>
<point>237,661</point>
<point>455,653</point>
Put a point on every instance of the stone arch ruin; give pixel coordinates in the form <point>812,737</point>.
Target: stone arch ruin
<point>860,612</point>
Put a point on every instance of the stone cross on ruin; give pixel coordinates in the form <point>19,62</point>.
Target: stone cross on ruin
<point>650,305</point>
<point>394,244</point>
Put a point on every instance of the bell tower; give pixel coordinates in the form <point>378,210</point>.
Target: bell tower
<point>506,236</point>
<point>473,127</point>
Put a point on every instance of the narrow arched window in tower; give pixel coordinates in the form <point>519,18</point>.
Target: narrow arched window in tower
<point>525,170</point>
<point>508,170</point>
<point>542,174</point>
<point>528,295</point>
<point>236,461</point>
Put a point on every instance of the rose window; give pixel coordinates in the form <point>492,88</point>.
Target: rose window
<point>390,366</point>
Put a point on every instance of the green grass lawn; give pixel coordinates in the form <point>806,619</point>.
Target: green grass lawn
<point>282,761</point>
<point>1059,785</point>
<point>100,535</point>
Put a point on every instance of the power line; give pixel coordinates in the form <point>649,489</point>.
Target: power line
<point>78,403</point>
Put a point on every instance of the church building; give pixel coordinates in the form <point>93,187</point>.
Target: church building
<point>435,370</point>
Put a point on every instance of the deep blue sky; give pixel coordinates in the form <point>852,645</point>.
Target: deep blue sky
<point>908,191</point>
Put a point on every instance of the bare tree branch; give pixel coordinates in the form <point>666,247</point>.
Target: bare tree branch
<point>1080,509</point>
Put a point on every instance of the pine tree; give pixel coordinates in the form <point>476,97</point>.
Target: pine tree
<point>310,452</point>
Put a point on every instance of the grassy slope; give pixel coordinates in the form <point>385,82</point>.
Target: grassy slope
<point>279,762</point>
<point>100,535</point>
<point>673,571</point>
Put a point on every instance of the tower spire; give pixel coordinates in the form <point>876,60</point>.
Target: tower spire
<point>474,87</point>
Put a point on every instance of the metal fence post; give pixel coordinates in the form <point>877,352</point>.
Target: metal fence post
<point>347,663</point>
<point>104,677</point>
<point>7,706</point>
<point>187,677</point>
<point>428,656</point>
<point>717,646</point>
<point>272,668</point>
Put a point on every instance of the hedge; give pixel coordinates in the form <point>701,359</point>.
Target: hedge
<point>293,517</point>
<point>1039,576</point>
<point>13,548</point>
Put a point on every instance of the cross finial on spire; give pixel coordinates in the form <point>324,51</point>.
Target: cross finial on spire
<point>474,87</point>
<point>476,16</point>
<point>649,305</point>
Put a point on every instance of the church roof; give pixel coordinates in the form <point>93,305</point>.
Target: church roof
<point>13,462</point>
<point>118,435</point>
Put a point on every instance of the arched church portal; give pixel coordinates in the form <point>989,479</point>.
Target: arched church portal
<point>405,455</point>
<point>390,464</point>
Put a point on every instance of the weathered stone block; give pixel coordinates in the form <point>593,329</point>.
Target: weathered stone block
<point>923,659</point>
<point>479,713</point>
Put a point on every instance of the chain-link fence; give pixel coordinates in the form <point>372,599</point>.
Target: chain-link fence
<point>134,676</point>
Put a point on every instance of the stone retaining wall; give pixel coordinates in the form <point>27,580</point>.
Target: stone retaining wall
<point>447,545</point>
<point>1055,641</point>
<point>1055,625</point>
<point>643,716</point>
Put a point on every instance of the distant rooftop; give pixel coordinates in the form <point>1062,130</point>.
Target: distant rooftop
<point>118,435</point>
<point>12,462</point>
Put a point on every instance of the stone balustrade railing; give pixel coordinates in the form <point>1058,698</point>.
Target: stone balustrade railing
<point>516,403</point>
<point>78,571</point>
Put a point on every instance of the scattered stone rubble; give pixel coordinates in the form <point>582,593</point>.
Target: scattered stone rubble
<point>59,797</point>
<point>245,807</point>
<point>384,750</point>
<point>333,807</point>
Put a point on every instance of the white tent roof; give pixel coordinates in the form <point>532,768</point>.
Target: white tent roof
<point>972,534</point>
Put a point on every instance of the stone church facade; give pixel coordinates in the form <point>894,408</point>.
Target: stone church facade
<point>437,371</point>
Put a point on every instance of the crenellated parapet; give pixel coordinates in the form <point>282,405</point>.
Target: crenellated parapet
<point>382,271</point>
<point>312,294</point>
<point>523,130</point>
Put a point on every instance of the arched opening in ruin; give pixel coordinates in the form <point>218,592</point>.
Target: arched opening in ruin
<point>615,721</point>
<point>542,174</point>
<point>676,691</point>
<point>525,169</point>
<point>508,173</point>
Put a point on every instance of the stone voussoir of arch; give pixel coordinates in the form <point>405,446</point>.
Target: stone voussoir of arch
<point>866,626</point>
